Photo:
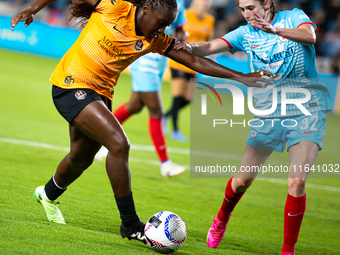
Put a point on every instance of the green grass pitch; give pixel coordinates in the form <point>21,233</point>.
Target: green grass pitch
<point>27,113</point>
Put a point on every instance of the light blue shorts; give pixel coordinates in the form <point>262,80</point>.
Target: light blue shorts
<point>147,73</point>
<point>273,134</point>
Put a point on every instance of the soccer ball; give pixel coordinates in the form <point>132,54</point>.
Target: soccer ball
<point>165,232</point>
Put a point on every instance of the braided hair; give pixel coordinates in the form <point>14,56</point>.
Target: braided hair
<point>83,11</point>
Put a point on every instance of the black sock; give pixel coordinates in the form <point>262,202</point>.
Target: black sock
<point>168,113</point>
<point>52,191</point>
<point>178,103</point>
<point>126,207</point>
<point>183,102</point>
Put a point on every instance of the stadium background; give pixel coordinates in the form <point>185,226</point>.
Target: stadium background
<point>33,139</point>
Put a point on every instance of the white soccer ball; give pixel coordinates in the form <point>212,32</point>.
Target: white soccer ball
<point>165,232</point>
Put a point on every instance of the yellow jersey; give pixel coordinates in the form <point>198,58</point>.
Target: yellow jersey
<point>199,30</point>
<point>106,46</point>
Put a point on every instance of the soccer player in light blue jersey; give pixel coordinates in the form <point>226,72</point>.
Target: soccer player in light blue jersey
<point>147,77</point>
<point>282,43</point>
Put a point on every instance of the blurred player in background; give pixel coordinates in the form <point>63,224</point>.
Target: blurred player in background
<point>147,77</point>
<point>115,33</point>
<point>283,43</point>
<point>200,27</point>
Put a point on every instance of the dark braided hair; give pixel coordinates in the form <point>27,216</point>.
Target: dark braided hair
<point>83,11</point>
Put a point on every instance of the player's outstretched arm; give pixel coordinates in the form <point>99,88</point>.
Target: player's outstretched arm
<point>209,67</point>
<point>27,15</point>
<point>203,48</point>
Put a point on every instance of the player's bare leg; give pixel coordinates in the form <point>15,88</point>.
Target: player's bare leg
<point>301,158</point>
<point>235,189</point>
<point>79,159</point>
<point>70,168</point>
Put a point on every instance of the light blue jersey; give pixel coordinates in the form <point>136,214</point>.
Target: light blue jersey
<point>147,71</point>
<point>292,62</point>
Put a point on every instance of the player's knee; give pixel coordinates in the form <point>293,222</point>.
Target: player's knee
<point>242,184</point>
<point>120,145</point>
<point>296,186</point>
<point>134,108</point>
<point>156,113</point>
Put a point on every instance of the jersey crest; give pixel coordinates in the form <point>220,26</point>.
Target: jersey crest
<point>139,45</point>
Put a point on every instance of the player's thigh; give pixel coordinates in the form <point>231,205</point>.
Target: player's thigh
<point>189,91</point>
<point>154,103</point>
<point>69,103</point>
<point>178,86</point>
<point>135,103</point>
<point>305,140</point>
<point>83,148</point>
<point>252,160</point>
<point>301,158</point>
<point>180,82</point>
<point>98,123</point>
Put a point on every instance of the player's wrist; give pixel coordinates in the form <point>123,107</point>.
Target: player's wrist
<point>276,30</point>
<point>238,76</point>
<point>189,47</point>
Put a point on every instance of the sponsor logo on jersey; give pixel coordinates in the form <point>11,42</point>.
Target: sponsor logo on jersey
<point>113,2</point>
<point>139,45</point>
<point>69,80</point>
<point>80,94</point>
<point>111,49</point>
<point>278,56</point>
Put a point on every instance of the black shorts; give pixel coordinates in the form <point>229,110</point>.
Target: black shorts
<point>70,102</point>
<point>180,74</point>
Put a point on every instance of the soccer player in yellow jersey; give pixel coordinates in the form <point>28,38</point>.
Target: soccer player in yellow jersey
<point>115,34</point>
<point>200,26</point>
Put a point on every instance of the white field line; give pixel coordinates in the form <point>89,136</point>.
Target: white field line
<point>172,150</point>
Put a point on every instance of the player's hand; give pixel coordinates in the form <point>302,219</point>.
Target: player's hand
<point>25,15</point>
<point>256,79</point>
<point>264,25</point>
<point>182,46</point>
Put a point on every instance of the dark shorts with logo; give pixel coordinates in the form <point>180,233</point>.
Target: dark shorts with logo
<point>70,102</point>
<point>180,74</point>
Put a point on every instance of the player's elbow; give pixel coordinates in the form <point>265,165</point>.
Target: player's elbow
<point>310,39</point>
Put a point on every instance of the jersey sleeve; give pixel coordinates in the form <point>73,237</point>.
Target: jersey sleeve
<point>299,17</point>
<point>162,44</point>
<point>234,40</point>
